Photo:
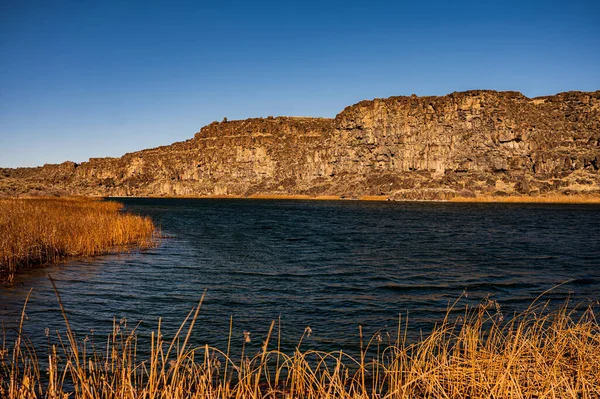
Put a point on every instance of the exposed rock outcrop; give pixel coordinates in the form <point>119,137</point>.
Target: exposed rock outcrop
<point>468,143</point>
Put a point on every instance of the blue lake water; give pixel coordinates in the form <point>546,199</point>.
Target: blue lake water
<point>331,265</point>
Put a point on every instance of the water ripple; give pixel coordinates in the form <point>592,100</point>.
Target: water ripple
<point>331,265</point>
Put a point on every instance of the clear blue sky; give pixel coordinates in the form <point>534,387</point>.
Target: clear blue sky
<point>82,79</point>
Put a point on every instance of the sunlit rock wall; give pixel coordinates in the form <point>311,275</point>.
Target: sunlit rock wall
<point>476,142</point>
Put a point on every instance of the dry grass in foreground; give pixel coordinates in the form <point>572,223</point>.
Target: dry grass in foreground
<point>537,354</point>
<point>39,230</point>
<point>549,199</point>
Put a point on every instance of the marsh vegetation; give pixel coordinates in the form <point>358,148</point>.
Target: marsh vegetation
<point>35,231</point>
<point>479,354</point>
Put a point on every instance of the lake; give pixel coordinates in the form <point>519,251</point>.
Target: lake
<point>330,265</point>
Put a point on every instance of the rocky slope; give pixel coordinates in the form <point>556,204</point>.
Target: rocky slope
<point>468,143</point>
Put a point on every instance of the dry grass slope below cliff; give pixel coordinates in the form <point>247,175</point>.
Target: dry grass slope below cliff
<point>545,199</point>
<point>35,231</point>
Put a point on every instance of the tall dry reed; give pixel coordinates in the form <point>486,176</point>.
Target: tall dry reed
<point>537,354</point>
<point>39,230</point>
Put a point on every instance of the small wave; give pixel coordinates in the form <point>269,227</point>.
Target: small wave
<point>500,285</point>
<point>413,288</point>
<point>585,281</point>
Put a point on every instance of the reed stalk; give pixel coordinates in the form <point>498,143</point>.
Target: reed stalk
<point>481,354</point>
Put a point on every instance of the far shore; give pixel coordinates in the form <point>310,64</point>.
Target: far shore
<point>546,199</point>
<point>269,197</point>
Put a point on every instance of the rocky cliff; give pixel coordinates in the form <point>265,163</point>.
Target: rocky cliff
<point>468,143</point>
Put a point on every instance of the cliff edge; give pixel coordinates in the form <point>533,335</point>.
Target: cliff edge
<point>462,144</point>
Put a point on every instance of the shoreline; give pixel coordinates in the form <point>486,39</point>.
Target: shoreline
<point>522,199</point>
<point>302,197</point>
<point>525,199</point>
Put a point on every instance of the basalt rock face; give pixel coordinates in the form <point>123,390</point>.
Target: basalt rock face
<point>476,142</point>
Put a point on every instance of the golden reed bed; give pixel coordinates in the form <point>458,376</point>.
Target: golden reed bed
<point>39,230</point>
<point>481,354</point>
<point>548,199</point>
